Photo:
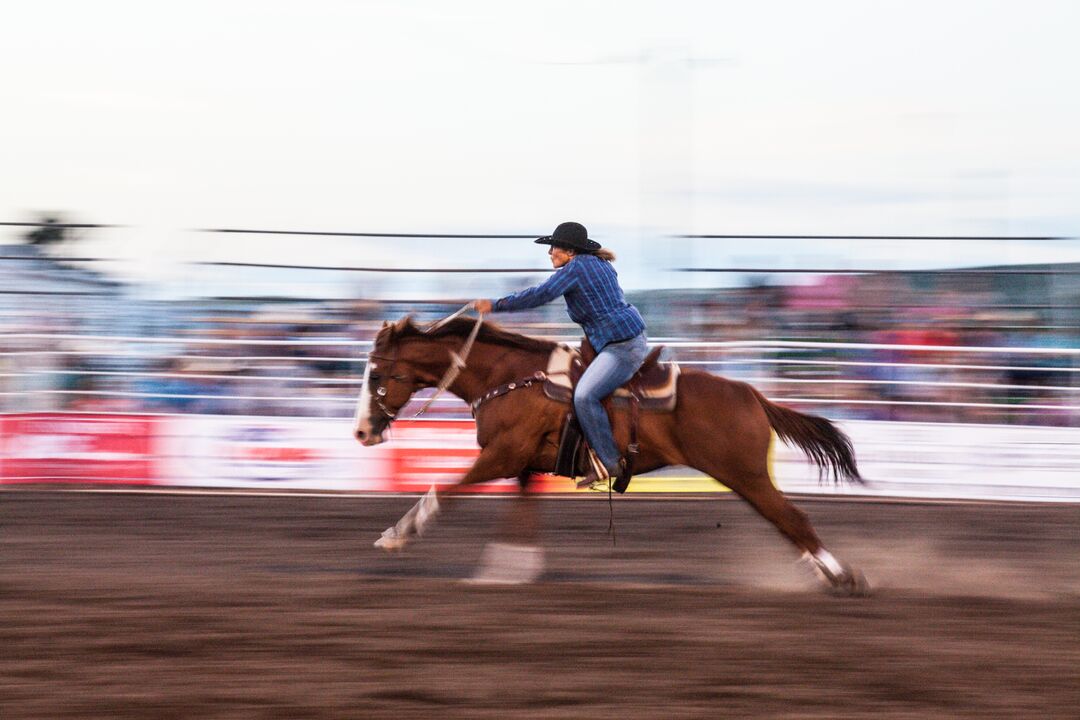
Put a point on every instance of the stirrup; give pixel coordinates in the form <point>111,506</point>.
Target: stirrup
<point>596,476</point>
<point>591,482</point>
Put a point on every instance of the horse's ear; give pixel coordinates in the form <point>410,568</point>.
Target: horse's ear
<point>385,325</point>
<point>403,324</point>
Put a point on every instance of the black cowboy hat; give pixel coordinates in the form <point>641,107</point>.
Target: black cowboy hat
<point>570,235</point>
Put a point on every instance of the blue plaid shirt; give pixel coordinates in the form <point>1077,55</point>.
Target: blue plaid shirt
<point>594,300</point>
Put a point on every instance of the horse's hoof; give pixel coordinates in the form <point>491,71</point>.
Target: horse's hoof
<point>851,584</point>
<point>509,564</point>
<point>390,541</point>
<point>839,579</point>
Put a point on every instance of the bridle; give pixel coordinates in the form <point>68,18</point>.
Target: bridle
<point>380,391</point>
<point>457,364</point>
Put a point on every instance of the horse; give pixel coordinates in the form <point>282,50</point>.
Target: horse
<point>719,426</point>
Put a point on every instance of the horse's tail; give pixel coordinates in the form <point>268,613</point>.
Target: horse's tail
<point>819,438</point>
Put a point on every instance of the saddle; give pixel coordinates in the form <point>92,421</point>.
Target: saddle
<point>652,389</point>
<point>654,385</point>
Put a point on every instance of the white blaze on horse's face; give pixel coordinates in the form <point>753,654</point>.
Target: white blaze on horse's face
<point>363,430</point>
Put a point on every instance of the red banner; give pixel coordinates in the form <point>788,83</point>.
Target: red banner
<point>440,452</point>
<point>225,451</point>
<point>76,448</point>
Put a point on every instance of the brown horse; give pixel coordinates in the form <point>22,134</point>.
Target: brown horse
<point>720,427</point>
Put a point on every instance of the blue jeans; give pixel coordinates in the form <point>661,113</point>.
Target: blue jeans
<point>615,365</point>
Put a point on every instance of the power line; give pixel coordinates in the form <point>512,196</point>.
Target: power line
<point>372,269</point>
<point>874,237</point>
<point>466,236</point>
<point>367,234</point>
<point>58,225</point>
<point>51,258</point>
<point>872,271</point>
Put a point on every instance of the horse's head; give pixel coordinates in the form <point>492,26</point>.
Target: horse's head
<point>394,372</point>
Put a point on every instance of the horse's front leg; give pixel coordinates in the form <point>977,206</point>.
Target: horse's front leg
<point>497,460</point>
<point>517,557</point>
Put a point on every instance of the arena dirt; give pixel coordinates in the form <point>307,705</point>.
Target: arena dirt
<point>178,606</point>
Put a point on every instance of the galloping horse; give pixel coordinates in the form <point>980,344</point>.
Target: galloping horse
<point>720,427</point>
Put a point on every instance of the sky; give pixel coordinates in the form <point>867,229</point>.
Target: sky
<point>640,119</point>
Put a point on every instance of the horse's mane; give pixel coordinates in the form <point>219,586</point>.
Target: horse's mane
<point>462,327</point>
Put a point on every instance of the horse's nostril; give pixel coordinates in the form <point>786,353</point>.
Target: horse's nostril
<point>361,435</point>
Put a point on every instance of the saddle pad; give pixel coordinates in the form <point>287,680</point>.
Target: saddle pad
<point>657,397</point>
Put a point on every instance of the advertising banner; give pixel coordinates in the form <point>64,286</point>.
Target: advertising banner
<point>897,459</point>
<point>432,452</point>
<point>268,452</point>
<point>943,460</point>
<point>77,448</point>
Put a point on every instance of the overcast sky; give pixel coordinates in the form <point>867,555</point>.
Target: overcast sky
<point>636,118</point>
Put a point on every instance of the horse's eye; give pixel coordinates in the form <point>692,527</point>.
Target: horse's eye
<point>398,378</point>
<point>374,378</point>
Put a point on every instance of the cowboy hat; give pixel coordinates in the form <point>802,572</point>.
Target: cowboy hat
<point>570,235</point>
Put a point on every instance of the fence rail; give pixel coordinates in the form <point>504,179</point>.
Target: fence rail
<point>668,342</point>
<point>831,386</point>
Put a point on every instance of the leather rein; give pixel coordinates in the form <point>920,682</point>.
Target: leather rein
<point>457,364</point>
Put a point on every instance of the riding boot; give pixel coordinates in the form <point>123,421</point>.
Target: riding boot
<point>621,481</point>
<point>598,476</point>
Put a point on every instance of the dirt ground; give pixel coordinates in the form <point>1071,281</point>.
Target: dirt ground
<point>185,606</point>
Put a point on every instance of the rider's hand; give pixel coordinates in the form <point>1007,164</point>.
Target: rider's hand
<point>482,306</point>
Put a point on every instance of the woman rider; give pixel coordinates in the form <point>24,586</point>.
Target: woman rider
<point>584,276</point>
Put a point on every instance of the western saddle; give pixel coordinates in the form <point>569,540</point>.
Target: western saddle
<point>652,389</point>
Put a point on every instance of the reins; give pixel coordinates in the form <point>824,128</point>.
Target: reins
<point>457,362</point>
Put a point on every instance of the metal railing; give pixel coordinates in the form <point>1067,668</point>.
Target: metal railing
<point>830,381</point>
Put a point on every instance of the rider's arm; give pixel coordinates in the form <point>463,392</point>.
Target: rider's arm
<point>561,281</point>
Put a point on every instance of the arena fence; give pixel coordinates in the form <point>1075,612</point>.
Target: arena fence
<point>824,373</point>
<point>981,421</point>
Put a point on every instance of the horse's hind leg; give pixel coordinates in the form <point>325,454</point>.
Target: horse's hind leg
<point>793,523</point>
<point>777,509</point>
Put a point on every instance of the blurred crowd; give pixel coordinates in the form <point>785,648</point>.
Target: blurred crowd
<point>987,347</point>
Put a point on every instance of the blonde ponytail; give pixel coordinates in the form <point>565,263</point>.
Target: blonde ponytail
<point>605,254</point>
